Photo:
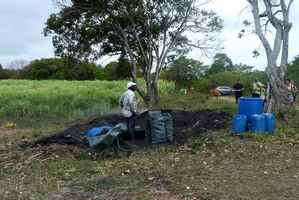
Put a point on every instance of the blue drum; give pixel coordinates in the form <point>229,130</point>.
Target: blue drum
<point>239,124</point>
<point>270,122</point>
<point>249,106</point>
<point>258,124</point>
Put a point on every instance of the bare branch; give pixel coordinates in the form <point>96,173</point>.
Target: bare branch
<point>256,16</point>
<point>289,5</point>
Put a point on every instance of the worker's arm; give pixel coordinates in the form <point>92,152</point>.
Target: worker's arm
<point>239,90</point>
<point>133,104</point>
<point>121,102</point>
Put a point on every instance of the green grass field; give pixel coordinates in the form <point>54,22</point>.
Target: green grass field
<point>29,102</point>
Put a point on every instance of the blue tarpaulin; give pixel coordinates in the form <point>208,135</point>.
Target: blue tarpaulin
<point>98,131</point>
<point>105,138</point>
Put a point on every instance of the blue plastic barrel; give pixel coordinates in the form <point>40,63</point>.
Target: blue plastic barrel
<point>258,123</point>
<point>270,122</point>
<point>249,106</point>
<point>239,124</point>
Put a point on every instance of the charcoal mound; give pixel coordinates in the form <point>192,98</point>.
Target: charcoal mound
<point>185,124</point>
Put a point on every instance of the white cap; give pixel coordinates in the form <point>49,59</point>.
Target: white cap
<point>130,84</point>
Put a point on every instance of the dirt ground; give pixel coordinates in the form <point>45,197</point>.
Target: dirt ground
<point>216,167</point>
<point>184,124</point>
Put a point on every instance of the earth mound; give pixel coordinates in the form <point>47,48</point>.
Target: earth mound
<point>186,123</point>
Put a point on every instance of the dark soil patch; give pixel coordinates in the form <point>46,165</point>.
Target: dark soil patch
<point>185,123</point>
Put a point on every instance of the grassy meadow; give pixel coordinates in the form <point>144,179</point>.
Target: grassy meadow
<point>29,102</point>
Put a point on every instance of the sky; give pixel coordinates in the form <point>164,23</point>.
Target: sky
<point>22,23</point>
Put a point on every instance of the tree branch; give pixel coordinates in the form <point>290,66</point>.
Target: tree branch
<point>256,16</point>
<point>289,5</point>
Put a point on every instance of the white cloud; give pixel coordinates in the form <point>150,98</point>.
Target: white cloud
<point>21,37</point>
<point>23,22</point>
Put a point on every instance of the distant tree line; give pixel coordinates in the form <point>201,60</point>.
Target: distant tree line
<point>185,72</point>
<point>67,69</point>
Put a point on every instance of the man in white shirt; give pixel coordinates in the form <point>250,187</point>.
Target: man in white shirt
<point>128,106</point>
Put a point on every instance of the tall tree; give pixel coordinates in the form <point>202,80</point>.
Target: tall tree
<point>221,63</point>
<point>274,13</point>
<point>123,68</point>
<point>183,71</point>
<point>148,31</point>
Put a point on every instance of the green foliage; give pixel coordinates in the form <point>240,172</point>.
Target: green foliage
<point>229,79</point>
<point>100,73</point>
<point>42,69</point>
<point>60,69</point>
<point>123,69</point>
<point>221,63</point>
<point>80,26</point>
<point>9,73</point>
<point>183,71</point>
<point>118,70</point>
<point>293,70</point>
<point>83,71</point>
<point>110,71</point>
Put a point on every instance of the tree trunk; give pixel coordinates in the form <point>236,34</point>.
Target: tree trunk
<point>156,93</point>
<point>278,97</point>
<point>281,23</point>
<point>152,93</point>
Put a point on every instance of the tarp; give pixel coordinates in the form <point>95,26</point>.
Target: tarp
<point>98,131</point>
<point>107,139</point>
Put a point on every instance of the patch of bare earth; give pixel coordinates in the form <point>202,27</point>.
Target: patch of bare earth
<point>156,190</point>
